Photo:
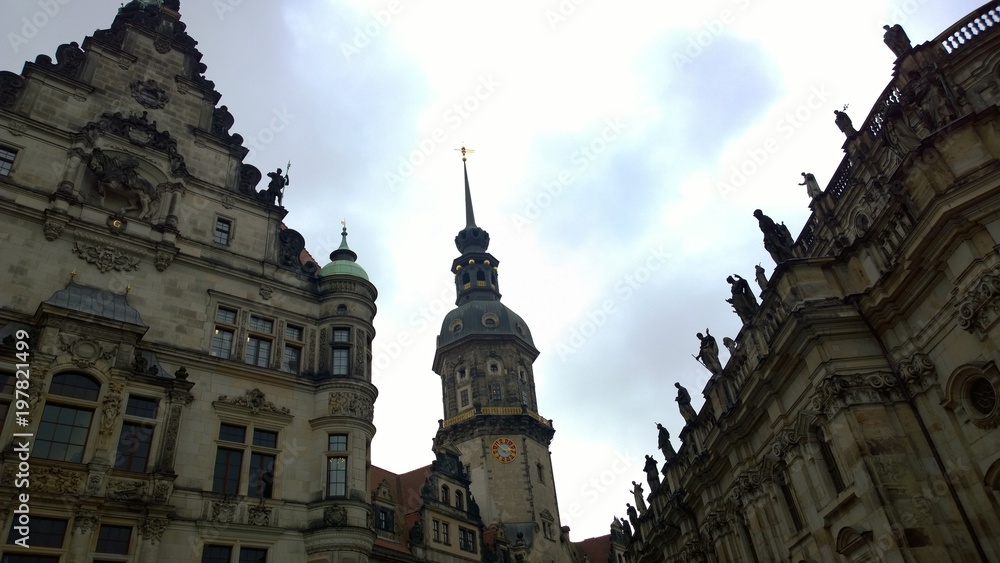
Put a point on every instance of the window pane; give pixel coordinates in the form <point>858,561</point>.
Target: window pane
<point>293,333</point>
<point>338,443</point>
<point>114,539</point>
<point>227,471</point>
<point>216,554</point>
<point>62,434</point>
<point>222,343</point>
<point>291,358</point>
<point>261,475</point>
<point>141,406</point>
<point>75,385</point>
<point>133,447</point>
<point>6,160</point>
<point>341,335</point>
<point>227,316</point>
<point>258,351</point>
<point>336,477</point>
<point>44,532</point>
<point>260,324</point>
<point>233,433</point>
<point>253,555</point>
<point>265,438</point>
<point>222,230</point>
<point>340,361</point>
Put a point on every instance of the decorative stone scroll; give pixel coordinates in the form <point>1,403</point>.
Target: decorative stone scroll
<point>106,255</point>
<point>152,528</point>
<point>254,400</point>
<point>979,309</point>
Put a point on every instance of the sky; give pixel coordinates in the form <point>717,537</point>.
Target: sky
<point>621,148</point>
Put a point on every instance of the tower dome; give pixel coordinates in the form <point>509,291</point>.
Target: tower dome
<point>343,261</point>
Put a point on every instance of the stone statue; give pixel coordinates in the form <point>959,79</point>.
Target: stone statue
<point>684,401</point>
<point>638,496</point>
<point>843,121</point>
<point>896,39</point>
<point>633,517</point>
<point>743,300</point>
<point>778,240</point>
<point>812,186</point>
<point>652,475</point>
<point>761,278</point>
<point>708,353</point>
<point>276,187</point>
<point>627,530</point>
<point>663,442</point>
<point>730,345</point>
<point>927,93</point>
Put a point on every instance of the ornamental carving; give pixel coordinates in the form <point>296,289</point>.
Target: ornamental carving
<point>290,247</point>
<point>259,515</point>
<point>224,511</point>
<point>119,175</point>
<point>161,44</point>
<point>85,522</point>
<point>152,528</point>
<point>111,408</point>
<point>161,492</point>
<point>126,491</point>
<point>11,86</point>
<point>917,371</point>
<point>162,260</point>
<point>837,391</point>
<point>266,292</point>
<point>334,516</point>
<point>53,229</point>
<point>148,93</point>
<point>344,403</point>
<point>94,484</point>
<point>107,256</point>
<point>55,480</point>
<point>69,60</point>
<point>140,132</point>
<point>979,309</point>
<point>86,351</point>
<point>255,401</point>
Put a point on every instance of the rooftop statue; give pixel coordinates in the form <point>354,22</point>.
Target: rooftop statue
<point>743,300</point>
<point>663,442</point>
<point>708,354</point>
<point>778,240</point>
<point>761,277</point>
<point>684,401</point>
<point>638,496</point>
<point>843,121</point>
<point>812,186</point>
<point>896,39</point>
<point>276,187</point>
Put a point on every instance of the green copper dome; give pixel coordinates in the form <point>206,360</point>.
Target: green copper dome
<point>343,261</point>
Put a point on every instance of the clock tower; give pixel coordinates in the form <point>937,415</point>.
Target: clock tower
<point>484,357</point>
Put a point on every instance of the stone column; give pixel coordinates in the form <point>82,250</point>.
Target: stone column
<point>151,531</point>
<point>84,524</point>
<point>177,398</point>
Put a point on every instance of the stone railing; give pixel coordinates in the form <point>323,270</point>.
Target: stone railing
<point>966,31</point>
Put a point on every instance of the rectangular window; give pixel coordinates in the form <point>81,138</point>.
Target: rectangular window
<point>260,324</point>
<point>464,397</point>
<point>133,447</point>
<point>495,394</point>
<point>62,434</point>
<point>216,554</point>
<point>384,519</point>
<point>291,359</point>
<point>265,438</point>
<point>293,333</point>
<point>336,477</point>
<point>258,351</point>
<point>233,433</point>
<point>341,361</point>
<point>222,343</point>
<point>261,475</point>
<point>225,316</point>
<point>223,231</point>
<point>114,539</point>
<point>7,155</point>
<point>341,335</point>
<point>141,406</point>
<point>436,530</point>
<point>338,442</point>
<point>467,540</point>
<point>227,471</point>
<point>444,534</point>
<point>44,532</point>
<point>253,555</point>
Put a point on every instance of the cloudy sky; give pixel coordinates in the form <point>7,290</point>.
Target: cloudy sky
<point>621,148</point>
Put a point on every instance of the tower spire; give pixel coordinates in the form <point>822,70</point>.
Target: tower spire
<point>471,238</point>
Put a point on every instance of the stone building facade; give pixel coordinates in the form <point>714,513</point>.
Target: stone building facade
<point>856,418</point>
<point>181,381</point>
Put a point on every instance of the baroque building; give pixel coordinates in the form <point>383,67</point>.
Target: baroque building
<point>179,378</point>
<point>856,418</point>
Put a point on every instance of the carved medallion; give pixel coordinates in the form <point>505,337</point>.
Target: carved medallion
<point>149,93</point>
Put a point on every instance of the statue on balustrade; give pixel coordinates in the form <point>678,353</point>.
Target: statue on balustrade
<point>684,402</point>
<point>663,442</point>
<point>743,300</point>
<point>652,475</point>
<point>896,39</point>
<point>778,240</point>
<point>708,352</point>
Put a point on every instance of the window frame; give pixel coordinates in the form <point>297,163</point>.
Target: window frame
<point>42,447</point>
<point>290,343</point>
<point>224,237</point>
<point>338,347</point>
<point>246,449</point>
<point>338,445</point>
<point>12,161</point>
<point>140,419</point>
<point>224,326</point>
<point>262,341</point>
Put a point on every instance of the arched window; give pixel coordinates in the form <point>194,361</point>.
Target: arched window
<point>445,494</point>
<point>830,462</point>
<point>66,418</point>
<point>459,500</point>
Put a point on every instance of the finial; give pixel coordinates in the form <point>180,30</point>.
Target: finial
<point>72,275</point>
<point>343,224</point>
<point>464,151</point>
<point>128,288</point>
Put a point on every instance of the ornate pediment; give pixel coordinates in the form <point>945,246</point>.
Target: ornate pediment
<point>254,400</point>
<point>139,131</point>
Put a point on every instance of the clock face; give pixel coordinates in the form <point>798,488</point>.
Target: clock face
<point>504,450</point>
